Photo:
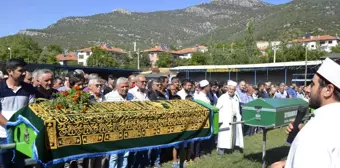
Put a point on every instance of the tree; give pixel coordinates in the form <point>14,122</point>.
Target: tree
<point>164,60</point>
<point>48,55</point>
<point>198,58</point>
<point>21,47</point>
<point>250,39</point>
<point>101,58</point>
<point>336,49</point>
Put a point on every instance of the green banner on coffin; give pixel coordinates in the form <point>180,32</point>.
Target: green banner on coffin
<point>113,127</point>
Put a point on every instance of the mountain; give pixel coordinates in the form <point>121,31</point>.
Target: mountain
<point>219,20</point>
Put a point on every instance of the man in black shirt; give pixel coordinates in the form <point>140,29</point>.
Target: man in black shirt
<point>45,78</point>
<point>155,93</point>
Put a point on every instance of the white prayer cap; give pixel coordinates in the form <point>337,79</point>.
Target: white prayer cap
<point>232,83</point>
<point>204,83</point>
<point>330,70</point>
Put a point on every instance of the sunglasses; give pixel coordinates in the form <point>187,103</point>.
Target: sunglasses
<point>99,85</point>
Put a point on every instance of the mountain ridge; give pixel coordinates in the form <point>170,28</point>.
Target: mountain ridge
<point>221,20</point>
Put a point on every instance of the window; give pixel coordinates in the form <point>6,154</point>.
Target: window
<point>87,53</point>
<point>330,42</point>
<point>81,63</point>
<point>322,42</point>
<point>312,46</point>
<point>81,56</point>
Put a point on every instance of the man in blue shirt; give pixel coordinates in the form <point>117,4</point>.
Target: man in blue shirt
<point>291,91</point>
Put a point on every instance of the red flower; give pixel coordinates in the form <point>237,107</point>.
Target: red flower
<point>77,87</point>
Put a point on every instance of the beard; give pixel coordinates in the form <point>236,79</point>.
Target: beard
<point>315,101</point>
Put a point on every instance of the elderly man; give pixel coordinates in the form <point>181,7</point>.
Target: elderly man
<point>119,94</point>
<point>172,91</point>
<point>139,92</point>
<point>45,79</point>
<point>318,142</point>
<point>35,81</point>
<point>204,90</point>
<point>155,92</point>
<point>229,135</point>
<point>132,81</point>
<point>95,87</point>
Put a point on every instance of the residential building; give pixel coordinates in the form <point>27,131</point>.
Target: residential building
<point>85,53</point>
<point>262,46</point>
<point>153,53</point>
<point>186,53</point>
<point>324,43</point>
<point>65,58</point>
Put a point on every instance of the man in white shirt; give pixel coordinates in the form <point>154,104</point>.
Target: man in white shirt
<point>204,89</point>
<point>119,94</point>
<point>185,89</point>
<point>139,92</point>
<point>281,93</point>
<point>229,135</point>
<point>318,142</point>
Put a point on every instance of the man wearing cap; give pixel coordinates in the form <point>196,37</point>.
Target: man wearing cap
<point>204,89</point>
<point>229,135</point>
<point>318,142</point>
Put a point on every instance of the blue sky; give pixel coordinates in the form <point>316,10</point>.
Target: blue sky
<point>17,15</point>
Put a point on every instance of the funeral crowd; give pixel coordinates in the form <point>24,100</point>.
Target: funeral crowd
<point>20,87</point>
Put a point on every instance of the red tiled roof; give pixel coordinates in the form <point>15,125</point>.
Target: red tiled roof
<point>88,49</point>
<point>105,47</point>
<point>315,38</point>
<point>187,50</point>
<point>155,49</point>
<point>159,49</point>
<point>69,57</point>
<point>112,49</point>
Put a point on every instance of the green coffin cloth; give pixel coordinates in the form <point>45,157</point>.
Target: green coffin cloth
<point>215,112</point>
<point>115,127</point>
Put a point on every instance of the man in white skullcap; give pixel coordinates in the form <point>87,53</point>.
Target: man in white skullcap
<point>318,142</point>
<point>229,136</point>
<point>204,90</point>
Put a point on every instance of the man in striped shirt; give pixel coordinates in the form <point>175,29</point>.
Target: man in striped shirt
<point>14,95</point>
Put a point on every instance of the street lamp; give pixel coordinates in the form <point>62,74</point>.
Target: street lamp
<point>10,52</point>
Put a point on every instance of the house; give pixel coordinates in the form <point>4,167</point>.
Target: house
<point>264,45</point>
<point>64,59</point>
<point>85,53</point>
<point>324,43</point>
<point>153,53</point>
<point>187,52</point>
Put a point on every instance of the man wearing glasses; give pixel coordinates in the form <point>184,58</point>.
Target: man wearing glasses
<point>139,92</point>
<point>96,86</point>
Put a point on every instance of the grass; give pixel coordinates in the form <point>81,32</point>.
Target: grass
<point>252,155</point>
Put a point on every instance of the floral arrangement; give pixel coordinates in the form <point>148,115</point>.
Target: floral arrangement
<point>71,100</point>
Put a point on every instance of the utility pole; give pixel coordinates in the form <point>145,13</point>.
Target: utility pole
<point>306,66</point>
<point>137,52</point>
<point>138,59</point>
<point>10,52</point>
<point>274,48</point>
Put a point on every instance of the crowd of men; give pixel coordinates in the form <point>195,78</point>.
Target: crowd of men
<point>21,87</point>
